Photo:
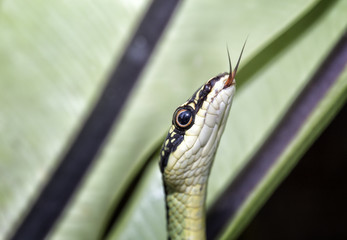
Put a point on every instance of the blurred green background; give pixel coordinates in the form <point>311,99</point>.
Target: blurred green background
<point>56,56</point>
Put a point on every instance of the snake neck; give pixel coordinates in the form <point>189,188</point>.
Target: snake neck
<point>186,212</point>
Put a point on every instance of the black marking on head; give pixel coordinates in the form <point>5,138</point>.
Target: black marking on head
<point>204,90</point>
<point>174,140</point>
<point>207,89</point>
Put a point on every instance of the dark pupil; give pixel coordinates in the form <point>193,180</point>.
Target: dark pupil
<point>184,117</point>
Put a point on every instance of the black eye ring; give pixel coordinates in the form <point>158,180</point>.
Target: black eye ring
<point>183,118</point>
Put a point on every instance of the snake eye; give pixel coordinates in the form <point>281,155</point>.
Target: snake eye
<point>183,118</point>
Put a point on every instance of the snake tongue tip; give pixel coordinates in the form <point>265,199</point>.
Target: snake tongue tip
<point>232,73</point>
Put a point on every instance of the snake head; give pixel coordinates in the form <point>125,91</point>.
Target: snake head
<point>188,153</point>
<point>196,123</point>
<point>197,126</point>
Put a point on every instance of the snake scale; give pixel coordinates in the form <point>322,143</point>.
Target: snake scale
<point>188,153</point>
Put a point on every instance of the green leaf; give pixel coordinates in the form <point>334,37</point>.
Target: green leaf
<point>55,57</point>
<point>259,104</point>
<point>171,77</point>
<point>313,126</point>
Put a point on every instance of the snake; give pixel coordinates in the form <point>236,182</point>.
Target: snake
<point>188,153</point>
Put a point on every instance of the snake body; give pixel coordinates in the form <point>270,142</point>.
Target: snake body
<point>188,153</point>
